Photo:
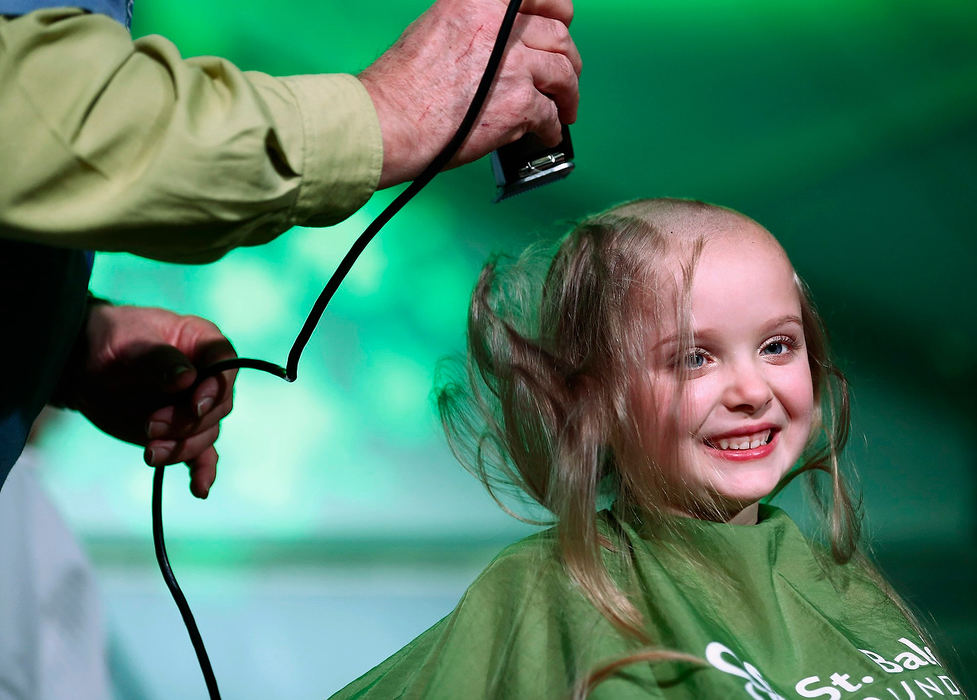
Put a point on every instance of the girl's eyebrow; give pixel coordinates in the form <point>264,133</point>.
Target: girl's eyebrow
<point>789,319</point>
<point>769,327</point>
<point>786,320</point>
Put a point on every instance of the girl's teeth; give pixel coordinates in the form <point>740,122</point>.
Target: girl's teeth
<point>746,442</point>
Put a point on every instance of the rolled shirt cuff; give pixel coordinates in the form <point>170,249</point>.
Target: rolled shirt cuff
<point>342,148</point>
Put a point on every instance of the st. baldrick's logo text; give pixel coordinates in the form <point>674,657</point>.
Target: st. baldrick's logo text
<point>841,685</point>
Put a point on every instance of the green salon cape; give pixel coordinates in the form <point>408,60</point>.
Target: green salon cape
<point>768,618</point>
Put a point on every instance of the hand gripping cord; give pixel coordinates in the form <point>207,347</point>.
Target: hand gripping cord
<point>290,371</point>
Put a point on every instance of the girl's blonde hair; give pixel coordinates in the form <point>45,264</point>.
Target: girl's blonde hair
<point>547,400</point>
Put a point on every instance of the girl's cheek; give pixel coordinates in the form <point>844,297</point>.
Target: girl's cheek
<point>805,405</point>
<point>695,403</point>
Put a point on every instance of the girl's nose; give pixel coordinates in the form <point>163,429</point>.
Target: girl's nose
<point>747,389</point>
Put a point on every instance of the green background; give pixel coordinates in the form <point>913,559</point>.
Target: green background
<point>849,129</point>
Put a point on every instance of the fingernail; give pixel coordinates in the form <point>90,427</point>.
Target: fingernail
<point>204,405</point>
<point>157,456</point>
<point>156,428</point>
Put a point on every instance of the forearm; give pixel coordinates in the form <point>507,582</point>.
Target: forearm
<point>119,145</point>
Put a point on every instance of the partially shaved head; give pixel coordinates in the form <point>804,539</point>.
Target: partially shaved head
<point>686,220</point>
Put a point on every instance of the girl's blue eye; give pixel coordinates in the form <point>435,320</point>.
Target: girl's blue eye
<point>694,360</point>
<point>776,347</point>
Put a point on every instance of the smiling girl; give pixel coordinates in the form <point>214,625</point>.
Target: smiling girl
<point>665,376</point>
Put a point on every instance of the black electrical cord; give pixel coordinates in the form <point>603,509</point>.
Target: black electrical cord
<point>181,601</point>
<point>290,371</point>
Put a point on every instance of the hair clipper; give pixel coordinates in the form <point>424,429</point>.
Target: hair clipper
<point>527,164</point>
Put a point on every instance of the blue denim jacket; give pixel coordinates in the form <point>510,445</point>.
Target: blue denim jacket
<point>119,10</point>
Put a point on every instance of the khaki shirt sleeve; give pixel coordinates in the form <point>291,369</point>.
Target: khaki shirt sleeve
<point>114,144</point>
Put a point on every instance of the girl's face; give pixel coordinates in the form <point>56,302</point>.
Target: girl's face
<point>735,410</point>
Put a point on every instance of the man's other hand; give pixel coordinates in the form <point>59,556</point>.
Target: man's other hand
<point>137,384</point>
